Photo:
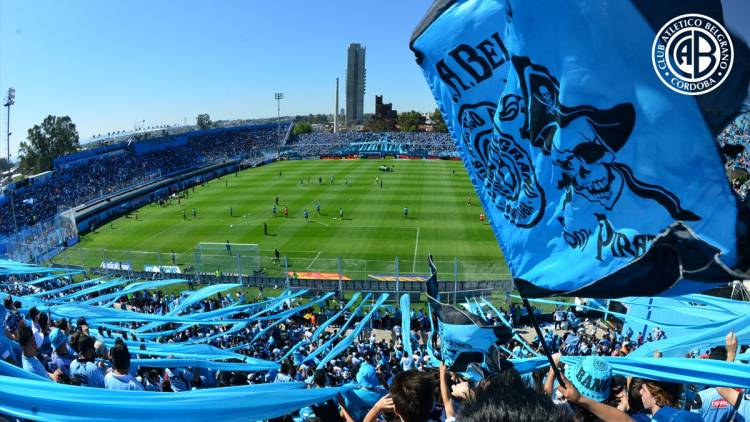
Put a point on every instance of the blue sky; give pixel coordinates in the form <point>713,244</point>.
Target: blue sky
<point>109,63</point>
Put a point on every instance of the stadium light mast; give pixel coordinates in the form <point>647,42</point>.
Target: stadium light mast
<point>278,97</point>
<point>9,101</point>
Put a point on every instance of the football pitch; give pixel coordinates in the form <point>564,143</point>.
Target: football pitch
<point>372,236</point>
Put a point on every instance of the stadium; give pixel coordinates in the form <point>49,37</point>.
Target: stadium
<point>545,246</point>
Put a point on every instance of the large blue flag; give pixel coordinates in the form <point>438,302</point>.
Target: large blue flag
<point>598,178</point>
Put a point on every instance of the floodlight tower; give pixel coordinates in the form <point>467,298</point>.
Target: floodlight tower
<point>9,101</point>
<point>278,96</point>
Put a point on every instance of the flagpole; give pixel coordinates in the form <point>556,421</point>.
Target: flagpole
<point>539,334</point>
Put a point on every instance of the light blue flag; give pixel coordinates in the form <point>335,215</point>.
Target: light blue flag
<point>342,331</point>
<point>261,365</point>
<point>331,320</point>
<point>593,173</point>
<point>343,344</point>
<point>39,400</point>
<point>406,323</point>
<point>284,315</point>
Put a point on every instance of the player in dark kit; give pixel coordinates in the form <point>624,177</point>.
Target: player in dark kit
<point>317,208</point>
<point>184,216</point>
<point>341,213</point>
<point>195,213</point>
<point>307,215</point>
<point>229,248</point>
<point>406,212</point>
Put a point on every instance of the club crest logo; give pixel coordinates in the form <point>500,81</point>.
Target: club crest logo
<point>692,54</point>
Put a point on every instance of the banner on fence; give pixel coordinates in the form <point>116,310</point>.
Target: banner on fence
<point>400,277</point>
<point>114,265</point>
<point>317,276</point>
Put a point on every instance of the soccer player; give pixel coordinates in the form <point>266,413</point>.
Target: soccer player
<point>276,255</point>
<point>229,248</point>
<point>277,198</point>
<point>307,215</point>
<point>184,217</point>
<point>481,217</point>
<point>341,213</point>
<point>320,180</point>
<point>231,211</point>
<point>195,213</point>
<point>286,212</point>
<point>265,229</point>
<point>331,179</point>
<point>273,210</point>
<point>317,208</point>
<point>468,200</point>
<point>406,212</point>
<point>174,258</point>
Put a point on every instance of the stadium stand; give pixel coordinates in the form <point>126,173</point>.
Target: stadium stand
<point>121,334</point>
<point>92,174</point>
<point>420,144</point>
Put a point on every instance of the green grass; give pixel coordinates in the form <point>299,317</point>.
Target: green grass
<point>369,238</point>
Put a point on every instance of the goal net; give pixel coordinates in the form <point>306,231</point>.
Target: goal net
<point>229,258</point>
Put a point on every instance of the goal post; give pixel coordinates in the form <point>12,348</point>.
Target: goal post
<point>229,258</point>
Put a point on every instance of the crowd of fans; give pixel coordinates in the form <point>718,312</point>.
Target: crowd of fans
<point>101,175</point>
<point>390,384</point>
<point>736,138</point>
<point>738,133</point>
<point>428,144</point>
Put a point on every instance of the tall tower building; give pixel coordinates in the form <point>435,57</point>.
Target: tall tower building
<point>355,84</point>
<point>336,110</point>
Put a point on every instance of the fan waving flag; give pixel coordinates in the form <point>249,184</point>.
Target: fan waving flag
<point>465,338</point>
<point>588,131</point>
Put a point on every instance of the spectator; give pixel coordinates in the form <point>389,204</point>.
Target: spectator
<point>29,359</point>
<point>83,367</point>
<point>120,378</point>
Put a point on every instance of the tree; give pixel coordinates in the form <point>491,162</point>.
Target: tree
<point>376,125</point>
<point>203,121</point>
<point>438,124</point>
<point>304,127</point>
<point>410,121</point>
<point>56,137</point>
<point>4,164</point>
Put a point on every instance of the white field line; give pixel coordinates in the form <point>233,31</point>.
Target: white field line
<point>416,245</point>
<point>314,259</point>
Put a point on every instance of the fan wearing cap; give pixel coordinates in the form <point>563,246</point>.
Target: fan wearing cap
<point>61,356</point>
<point>29,361</point>
<point>359,401</point>
<point>584,387</point>
<point>83,367</point>
<point>587,385</point>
